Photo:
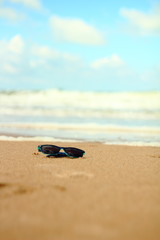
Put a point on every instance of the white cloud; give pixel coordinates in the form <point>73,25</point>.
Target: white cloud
<point>24,64</point>
<point>10,68</point>
<point>11,54</point>
<point>10,14</point>
<point>17,57</point>
<point>113,61</point>
<point>143,23</point>
<point>52,60</point>
<point>14,15</point>
<point>16,44</point>
<point>35,4</point>
<point>75,31</point>
<point>45,52</point>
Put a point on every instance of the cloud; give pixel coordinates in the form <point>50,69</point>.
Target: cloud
<point>10,14</point>
<point>16,56</point>
<point>11,54</point>
<point>141,22</point>
<point>75,31</point>
<point>9,68</point>
<point>113,61</point>
<point>35,4</point>
<point>46,52</point>
<point>14,15</point>
<point>28,65</point>
<point>16,44</point>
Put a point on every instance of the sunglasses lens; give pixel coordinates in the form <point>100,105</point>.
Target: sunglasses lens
<point>74,152</point>
<point>50,149</point>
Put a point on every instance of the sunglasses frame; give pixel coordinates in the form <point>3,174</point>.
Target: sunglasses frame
<point>60,148</point>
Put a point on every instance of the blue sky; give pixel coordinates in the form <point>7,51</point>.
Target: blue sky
<point>80,45</point>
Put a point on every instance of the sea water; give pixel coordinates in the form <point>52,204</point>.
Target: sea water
<point>109,117</point>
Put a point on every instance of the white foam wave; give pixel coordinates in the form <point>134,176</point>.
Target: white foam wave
<point>51,139</point>
<point>92,127</point>
<point>56,103</point>
<point>85,100</point>
<point>36,139</point>
<point>149,144</point>
<point>81,113</point>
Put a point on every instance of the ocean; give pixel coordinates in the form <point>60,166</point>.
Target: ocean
<point>131,118</point>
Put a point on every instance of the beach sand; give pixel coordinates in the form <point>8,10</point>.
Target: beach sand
<point>112,193</point>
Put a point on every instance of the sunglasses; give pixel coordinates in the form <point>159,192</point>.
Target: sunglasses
<point>53,150</point>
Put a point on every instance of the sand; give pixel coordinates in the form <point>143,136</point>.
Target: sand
<point>112,193</point>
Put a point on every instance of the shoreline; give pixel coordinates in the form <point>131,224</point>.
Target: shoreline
<point>18,137</point>
<point>113,192</point>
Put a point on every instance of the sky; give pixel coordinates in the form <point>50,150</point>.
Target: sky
<point>94,45</point>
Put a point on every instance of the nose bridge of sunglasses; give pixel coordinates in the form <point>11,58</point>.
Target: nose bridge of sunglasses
<point>66,150</point>
<point>61,149</point>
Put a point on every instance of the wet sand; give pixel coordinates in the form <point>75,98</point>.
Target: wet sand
<point>112,193</point>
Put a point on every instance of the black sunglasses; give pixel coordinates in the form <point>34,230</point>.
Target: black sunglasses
<point>53,150</point>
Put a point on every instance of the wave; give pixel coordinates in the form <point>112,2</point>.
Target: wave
<point>36,139</point>
<point>85,100</point>
<point>56,103</point>
<point>89,127</point>
<point>52,139</point>
<point>92,132</point>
